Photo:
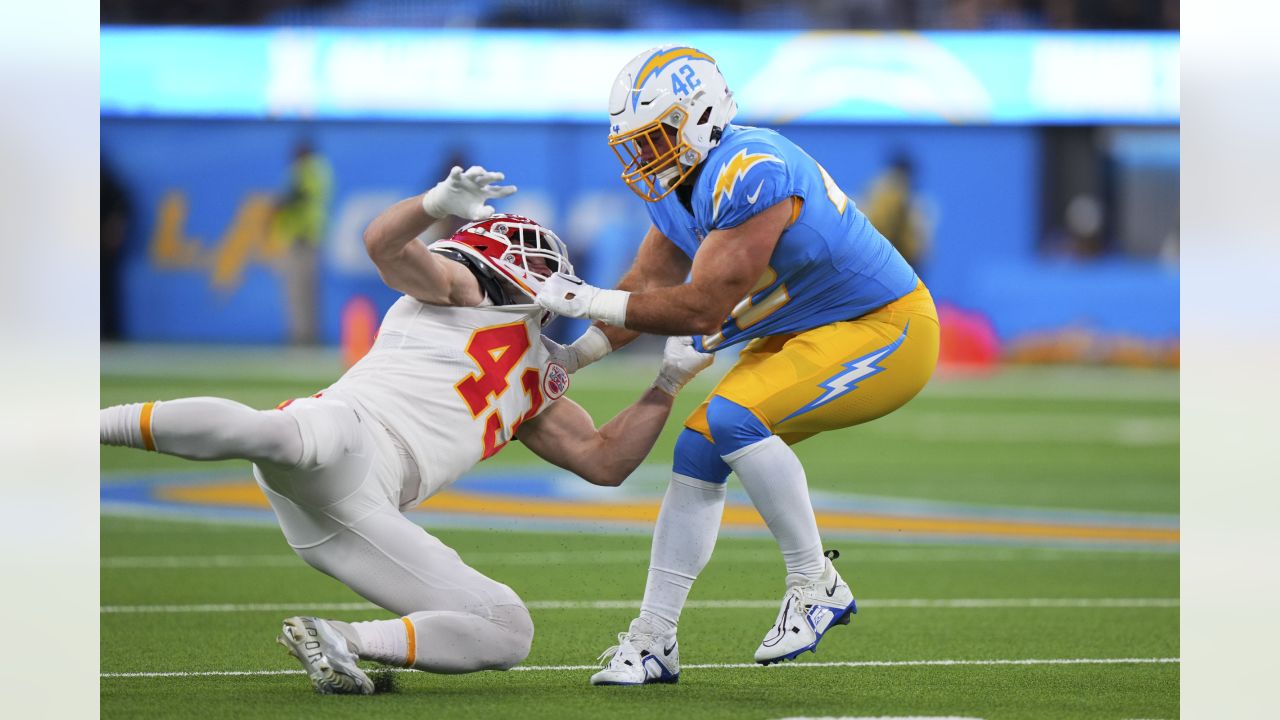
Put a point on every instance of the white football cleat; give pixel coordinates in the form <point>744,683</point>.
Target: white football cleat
<point>640,659</point>
<point>324,654</point>
<point>809,610</point>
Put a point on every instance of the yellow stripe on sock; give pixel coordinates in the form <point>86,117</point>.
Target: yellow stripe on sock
<point>413,642</point>
<point>144,420</point>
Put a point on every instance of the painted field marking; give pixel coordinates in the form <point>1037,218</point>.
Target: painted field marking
<point>1019,427</point>
<point>242,494</point>
<point>181,562</point>
<point>878,718</point>
<point>603,557</point>
<point>960,603</point>
<point>703,666</point>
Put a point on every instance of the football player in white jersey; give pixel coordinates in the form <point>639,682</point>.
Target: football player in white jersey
<point>458,369</point>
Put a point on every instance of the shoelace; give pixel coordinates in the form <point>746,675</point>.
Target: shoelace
<point>627,639</point>
<point>607,654</point>
<point>780,625</point>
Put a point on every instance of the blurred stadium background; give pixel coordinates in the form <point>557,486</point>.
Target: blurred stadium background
<point>1030,172</point>
<point>1024,154</point>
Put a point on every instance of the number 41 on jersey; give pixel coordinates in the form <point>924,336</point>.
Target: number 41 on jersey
<point>496,351</point>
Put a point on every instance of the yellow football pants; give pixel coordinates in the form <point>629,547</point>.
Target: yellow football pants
<point>835,375</point>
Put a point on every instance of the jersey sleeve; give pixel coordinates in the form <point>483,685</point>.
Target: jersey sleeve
<point>662,216</point>
<point>753,179</point>
<point>555,383</point>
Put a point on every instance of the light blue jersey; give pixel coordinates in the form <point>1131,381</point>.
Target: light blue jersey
<point>829,265</point>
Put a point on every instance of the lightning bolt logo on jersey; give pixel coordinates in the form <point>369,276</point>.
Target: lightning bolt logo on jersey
<point>733,171</point>
<point>829,265</point>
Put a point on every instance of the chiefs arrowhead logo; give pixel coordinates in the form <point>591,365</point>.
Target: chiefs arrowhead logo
<point>555,381</point>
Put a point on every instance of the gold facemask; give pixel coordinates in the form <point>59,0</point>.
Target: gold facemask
<point>646,178</point>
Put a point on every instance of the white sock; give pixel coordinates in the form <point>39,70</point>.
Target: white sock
<point>122,425</point>
<point>445,641</point>
<point>204,428</point>
<point>384,641</point>
<point>683,539</point>
<point>774,479</point>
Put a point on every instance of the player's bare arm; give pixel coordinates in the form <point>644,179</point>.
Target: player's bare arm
<point>658,264</point>
<point>405,264</point>
<point>726,267</point>
<point>566,436</point>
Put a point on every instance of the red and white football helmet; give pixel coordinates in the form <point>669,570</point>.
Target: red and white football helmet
<point>510,248</point>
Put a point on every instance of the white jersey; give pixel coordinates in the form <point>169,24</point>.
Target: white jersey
<point>453,384</point>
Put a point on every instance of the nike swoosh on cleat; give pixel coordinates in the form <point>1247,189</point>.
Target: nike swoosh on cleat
<point>832,590</point>
<point>667,650</point>
<point>753,196</point>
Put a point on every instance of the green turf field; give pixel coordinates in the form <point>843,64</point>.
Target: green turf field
<point>191,607</point>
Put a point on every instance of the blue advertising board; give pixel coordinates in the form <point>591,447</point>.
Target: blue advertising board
<point>200,264</point>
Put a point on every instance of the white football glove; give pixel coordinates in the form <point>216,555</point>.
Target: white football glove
<point>463,194</point>
<point>588,348</point>
<point>571,297</point>
<point>680,363</point>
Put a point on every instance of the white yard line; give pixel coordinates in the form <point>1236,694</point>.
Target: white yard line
<point>886,603</point>
<point>1024,427</point>
<point>957,603</point>
<point>615,557</point>
<point>706,666</point>
<point>182,562</point>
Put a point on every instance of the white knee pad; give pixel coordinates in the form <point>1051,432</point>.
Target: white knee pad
<point>516,620</point>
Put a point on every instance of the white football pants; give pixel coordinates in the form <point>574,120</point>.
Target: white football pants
<point>339,509</point>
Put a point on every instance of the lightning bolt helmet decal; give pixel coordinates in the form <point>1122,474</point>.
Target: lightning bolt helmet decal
<point>660,60</point>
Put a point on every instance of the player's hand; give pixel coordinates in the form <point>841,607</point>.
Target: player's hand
<point>588,348</point>
<point>563,355</point>
<point>569,296</point>
<point>463,194</point>
<point>680,363</point>
<point>566,295</point>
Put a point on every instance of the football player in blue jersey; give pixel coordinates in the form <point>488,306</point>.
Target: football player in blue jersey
<point>752,242</point>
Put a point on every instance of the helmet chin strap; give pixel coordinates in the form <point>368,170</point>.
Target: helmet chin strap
<point>667,175</point>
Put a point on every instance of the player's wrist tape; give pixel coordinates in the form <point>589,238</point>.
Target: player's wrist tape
<point>433,201</point>
<point>609,307</point>
<point>668,384</point>
<point>430,205</point>
<point>592,346</point>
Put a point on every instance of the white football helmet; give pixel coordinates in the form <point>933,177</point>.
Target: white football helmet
<point>667,109</point>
